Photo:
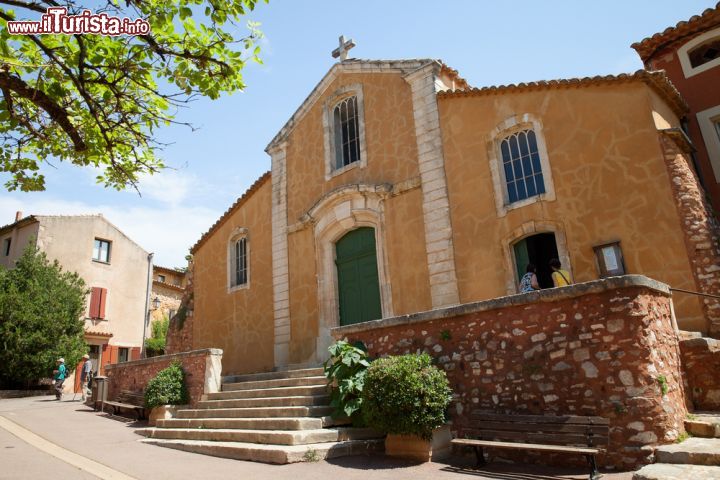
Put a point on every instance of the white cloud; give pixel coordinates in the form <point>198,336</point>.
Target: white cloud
<point>169,186</point>
<point>167,231</point>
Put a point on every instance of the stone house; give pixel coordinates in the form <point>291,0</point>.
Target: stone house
<point>115,270</point>
<point>689,53</point>
<point>168,287</point>
<point>397,188</point>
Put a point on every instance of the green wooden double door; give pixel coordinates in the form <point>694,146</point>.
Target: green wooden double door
<point>358,286</point>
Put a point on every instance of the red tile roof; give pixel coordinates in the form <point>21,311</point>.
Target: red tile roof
<point>657,80</point>
<point>647,47</point>
<point>238,203</point>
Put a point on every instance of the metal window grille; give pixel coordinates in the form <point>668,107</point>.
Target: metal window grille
<point>347,132</point>
<point>241,270</point>
<point>521,164</point>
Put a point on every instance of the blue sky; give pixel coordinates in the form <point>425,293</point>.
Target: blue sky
<point>489,43</point>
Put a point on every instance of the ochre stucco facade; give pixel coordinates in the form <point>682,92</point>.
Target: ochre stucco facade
<point>428,186</point>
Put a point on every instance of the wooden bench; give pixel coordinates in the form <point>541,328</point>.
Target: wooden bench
<point>543,433</point>
<point>127,400</point>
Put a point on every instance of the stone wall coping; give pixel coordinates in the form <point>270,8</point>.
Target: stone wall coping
<point>165,358</point>
<point>547,295</point>
<point>702,342</point>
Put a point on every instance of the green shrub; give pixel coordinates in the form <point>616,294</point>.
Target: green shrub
<point>405,395</point>
<point>155,344</point>
<point>345,371</point>
<point>167,388</point>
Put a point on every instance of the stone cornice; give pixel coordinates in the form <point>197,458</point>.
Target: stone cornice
<point>165,358</point>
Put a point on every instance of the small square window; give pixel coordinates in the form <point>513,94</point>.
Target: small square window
<point>609,259</point>
<point>101,251</point>
<point>161,278</point>
<point>123,354</point>
<point>716,122</point>
<point>6,246</point>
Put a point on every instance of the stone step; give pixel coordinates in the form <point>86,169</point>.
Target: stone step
<point>693,451</point>
<point>253,377</point>
<point>270,392</point>
<point>269,437</point>
<point>280,382</point>
<point>298,401</point>
<point>256,412</point>
<point>295,423</point>
<point>665,471</point>
<point>279,454</point>
<point>704,425</point>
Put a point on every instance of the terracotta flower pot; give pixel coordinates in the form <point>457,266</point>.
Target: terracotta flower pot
<point>164,412</point>
<point>415,448</point>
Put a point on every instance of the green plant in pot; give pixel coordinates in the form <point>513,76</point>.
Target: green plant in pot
<point>165,392</point>
<point>345,371</point>
<point>407,397</point>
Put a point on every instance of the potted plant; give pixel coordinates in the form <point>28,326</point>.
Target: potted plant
<point>407,397</point>
<point>166,393</point>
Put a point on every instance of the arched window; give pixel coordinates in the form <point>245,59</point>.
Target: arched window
<point>346,132</point>
<point>707,52</point>
<point>238,259</point>
<point>521,166</point>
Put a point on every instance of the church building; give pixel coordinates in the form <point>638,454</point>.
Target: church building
<point>398,188</point>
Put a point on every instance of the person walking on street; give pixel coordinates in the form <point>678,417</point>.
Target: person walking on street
<point>60,373</point>
<point>85,375</point>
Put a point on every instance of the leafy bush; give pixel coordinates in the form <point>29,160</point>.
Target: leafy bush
<point>155,345</point>
<point>167,388</point>
<point>345,371</point>
<point>405,395</point>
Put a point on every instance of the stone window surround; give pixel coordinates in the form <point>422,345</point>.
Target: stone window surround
<point>340,212</point>
<point>512,125</point>
<point>237,234</point>
<point>340,94</point>
<point>684,57</point>
<point>706,120</point>
<point>529,229</point>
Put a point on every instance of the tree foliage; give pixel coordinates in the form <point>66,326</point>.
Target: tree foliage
<point>40,318</point>
<point>155,345</point>
<point>345,371</point>
<point>98,101</point>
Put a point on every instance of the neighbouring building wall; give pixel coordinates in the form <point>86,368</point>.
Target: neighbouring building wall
<point>70,239</point>
<point>19,238</point>
<point>606,348</point>
<point>169,297</point>
<point>593,136</point>
<point>238,320</point>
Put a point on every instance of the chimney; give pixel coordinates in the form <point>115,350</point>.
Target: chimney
<point>18,216</point>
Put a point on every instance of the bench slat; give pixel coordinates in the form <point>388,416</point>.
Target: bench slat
<point>526,446</point>
<point>539,419</point>
<point>545,438</point>
<point>551,427</point>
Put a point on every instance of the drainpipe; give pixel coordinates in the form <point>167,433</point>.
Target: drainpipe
<point>146,315</point>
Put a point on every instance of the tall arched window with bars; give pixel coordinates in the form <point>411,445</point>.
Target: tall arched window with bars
<point>522,166</point>
<point>239,271</point>
<point>346,132</point>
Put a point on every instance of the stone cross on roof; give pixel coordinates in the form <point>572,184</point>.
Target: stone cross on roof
<point>343,49</point>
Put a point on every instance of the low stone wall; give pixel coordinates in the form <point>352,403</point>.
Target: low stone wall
<point>26,393</point>
<point>605,348</point>
<point>202,373</point>
<point>701,360</point>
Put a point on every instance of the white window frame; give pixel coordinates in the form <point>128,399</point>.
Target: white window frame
<point>684,51</point>
<point>711,136</point>
<point>510,126</point>
<point>354,90</point>
<point>237,234</point>
<point>109,251</point>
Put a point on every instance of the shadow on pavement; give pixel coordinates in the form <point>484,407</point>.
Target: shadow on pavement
<point>371,462</point>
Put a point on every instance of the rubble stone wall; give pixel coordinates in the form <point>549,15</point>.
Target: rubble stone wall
<point>701,361</point>
<point>605,348</point>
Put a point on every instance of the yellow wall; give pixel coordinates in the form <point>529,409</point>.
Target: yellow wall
<point>239,322</point>
<point>610,183</point>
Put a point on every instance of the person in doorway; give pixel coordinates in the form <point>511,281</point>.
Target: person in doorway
<point>529,281</point>
<point>560,277</point>
<point>85,375</point>
<point>60,373</point>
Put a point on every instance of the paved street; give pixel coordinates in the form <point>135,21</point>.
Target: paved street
<point>107,448</point>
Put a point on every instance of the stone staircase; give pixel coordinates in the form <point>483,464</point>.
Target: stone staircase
<point>698,457</point>
<point>275,417</point>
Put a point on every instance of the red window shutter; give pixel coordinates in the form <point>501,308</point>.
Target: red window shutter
<point>101,306</point>
<point>95,296</point>
<point>135,353</point>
